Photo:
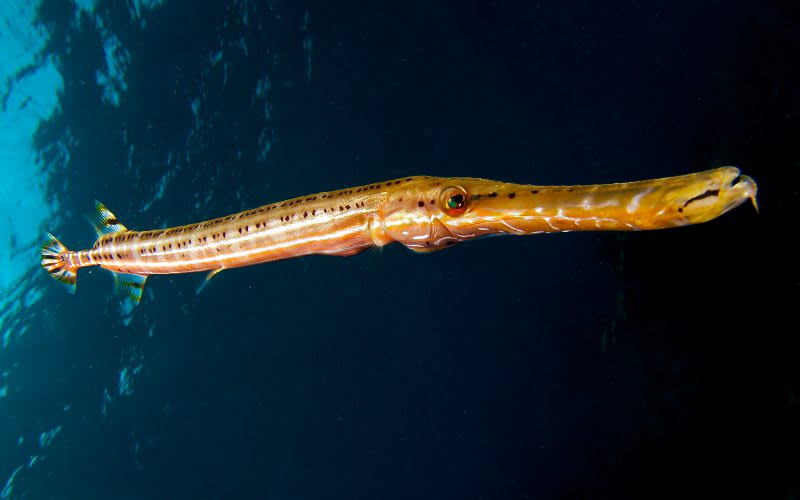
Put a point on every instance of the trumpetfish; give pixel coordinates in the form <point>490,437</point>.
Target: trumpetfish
<point>421,212</point>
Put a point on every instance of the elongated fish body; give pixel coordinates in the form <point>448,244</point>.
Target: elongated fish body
<point>423,213</point>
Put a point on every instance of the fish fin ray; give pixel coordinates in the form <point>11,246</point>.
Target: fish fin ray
<point>55,263</point>
<point>104,221</point>
<point>210,275</point>
<point>214,273</point>
<point>130,285</point>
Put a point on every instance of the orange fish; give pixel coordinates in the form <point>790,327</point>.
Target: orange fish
<point>423,213</point>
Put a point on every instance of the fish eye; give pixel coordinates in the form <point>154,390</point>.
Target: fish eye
<point>454,201</point>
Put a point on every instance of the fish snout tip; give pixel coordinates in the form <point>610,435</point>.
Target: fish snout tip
<point>747,188</point>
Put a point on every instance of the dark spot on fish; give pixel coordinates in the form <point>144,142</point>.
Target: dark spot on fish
<point>492,195</point>
<point>534,191</point>
<point>512,195</point>
<point>421,203</point>
<point>433,202</point>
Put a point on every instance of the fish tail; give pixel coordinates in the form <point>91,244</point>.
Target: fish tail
<point>55,262</point>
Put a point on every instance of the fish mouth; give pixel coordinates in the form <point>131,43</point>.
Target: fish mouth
<point>721,191</point>
<point>734,190</point>
<point>746,188</point>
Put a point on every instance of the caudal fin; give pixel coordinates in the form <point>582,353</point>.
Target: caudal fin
<point>55,262</point>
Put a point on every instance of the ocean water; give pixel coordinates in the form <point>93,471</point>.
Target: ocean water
<point>571,365</point>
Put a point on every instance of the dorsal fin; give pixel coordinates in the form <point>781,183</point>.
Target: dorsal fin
<point>104,221</point>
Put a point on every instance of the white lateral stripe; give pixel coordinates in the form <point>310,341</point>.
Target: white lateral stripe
<point>238,238</point>
<point>341,234</point>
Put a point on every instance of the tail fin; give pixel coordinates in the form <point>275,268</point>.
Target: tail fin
<point>54,261</point>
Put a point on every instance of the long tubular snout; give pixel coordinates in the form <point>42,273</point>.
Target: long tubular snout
<point>651,204</point>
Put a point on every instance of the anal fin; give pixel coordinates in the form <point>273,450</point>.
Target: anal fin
<point>131,285</point>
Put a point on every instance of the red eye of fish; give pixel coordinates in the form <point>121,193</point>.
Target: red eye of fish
<point>454,201</point>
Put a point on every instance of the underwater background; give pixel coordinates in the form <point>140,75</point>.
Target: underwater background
<point>595,365</point>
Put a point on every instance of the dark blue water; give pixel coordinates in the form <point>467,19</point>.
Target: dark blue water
<point>562,366</point>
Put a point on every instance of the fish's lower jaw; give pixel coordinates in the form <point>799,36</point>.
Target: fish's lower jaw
<point>743,188</point>
<point>749,189</point>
